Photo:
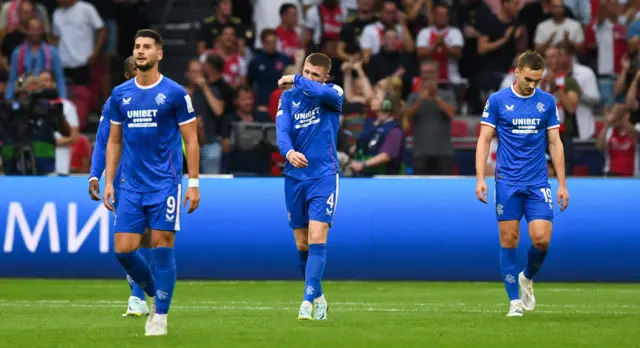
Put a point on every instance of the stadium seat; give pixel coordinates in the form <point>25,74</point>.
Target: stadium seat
<point>455,170</point>
<point>459,128</point>
<point>599,126</point>
<point>580,170</point>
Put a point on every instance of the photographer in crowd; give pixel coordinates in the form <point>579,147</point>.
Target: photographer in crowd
<point>63,143</point>
<point>28,127</point>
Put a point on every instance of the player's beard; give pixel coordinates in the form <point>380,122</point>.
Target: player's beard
<point>146,66</point>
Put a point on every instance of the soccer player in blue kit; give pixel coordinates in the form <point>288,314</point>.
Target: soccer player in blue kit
<point>307,125</point>
<point>147,115</point>
<point>136,306</point>
<point>526,120</point>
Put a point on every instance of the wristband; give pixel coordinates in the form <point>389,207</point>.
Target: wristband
<point>193,182</point>
<point>364,164</point>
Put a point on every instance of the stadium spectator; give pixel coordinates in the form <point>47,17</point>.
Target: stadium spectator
<point>349,44</point>
<point>536,12</point>
<point>213,26</point>
<point>193,75</point>
<point>559,29</point>
<point>323,22</point>
<point>419,13</point>
<point>11,12</point>
<point>611,45</point>
<point>271,14</point>
<point>618,140</point>
<point>63,143</point>
<point>235,65</point>
<point>381,143</point>
<point>253,161</point>
<point>289,41</point>
<point>358,93</point>
<point>18,35</point>
<point>81,35</point>
<point>213,98</point>
<point>33,57</point>
<point>500,36</point>
<point>371,41</point>
<point>581,9</point>
<point>590,96</point>
<point>390,60</point>
<point>566,91</point>
<point>431,111</point>
<point>266,68</point>
<point>442,43</point>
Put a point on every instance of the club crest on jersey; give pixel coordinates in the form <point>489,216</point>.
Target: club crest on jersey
<point>540,108</point>
<point>160,98</point>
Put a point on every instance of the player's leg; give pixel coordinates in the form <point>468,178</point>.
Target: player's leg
<point>323,200</point>
<point>538,211</point>
<point>296,201</point>
<point>137,304</point>
<point>163,212</point>
<point>129,226</point>
<point>301,236</point>
<point>509,210</point>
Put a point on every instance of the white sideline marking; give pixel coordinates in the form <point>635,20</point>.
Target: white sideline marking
<point>338,306</point>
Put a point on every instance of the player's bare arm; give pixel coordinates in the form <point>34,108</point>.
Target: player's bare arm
<point>190,135</point>
<point>482,154</point>
<point>286,81</point>
<point>556,150</point>
<point>114,151</point>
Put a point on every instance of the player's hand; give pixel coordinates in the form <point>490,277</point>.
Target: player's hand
<point>285,81</point>
<point>109,197</point>
<point>193,196</point>
<point>481,191</point>
<point>297,159</point>
<point>94,190</point>
<point>563,197</point>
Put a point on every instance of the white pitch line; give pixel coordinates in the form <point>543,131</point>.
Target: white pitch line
<point>341,307</point>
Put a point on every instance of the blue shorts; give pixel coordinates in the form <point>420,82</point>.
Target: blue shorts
<point>160,210</point>
<point>314,199</point>
<point>512,201</point>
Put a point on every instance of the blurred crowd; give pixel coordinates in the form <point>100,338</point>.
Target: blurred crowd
<point>416,74</point>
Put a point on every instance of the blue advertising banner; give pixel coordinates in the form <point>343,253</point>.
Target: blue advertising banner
<point>385,229</point>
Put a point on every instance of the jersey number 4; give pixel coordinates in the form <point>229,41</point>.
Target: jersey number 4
<point>330,204</point>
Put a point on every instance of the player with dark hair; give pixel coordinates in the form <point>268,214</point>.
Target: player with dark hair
<point>525,119</point>
<point>137,306</point>
<point>307,125</point>
<point>147,115</point>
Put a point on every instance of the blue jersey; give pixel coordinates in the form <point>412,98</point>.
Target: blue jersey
<point>307,121</point>
<point>521,123</point>
<point>151,117</point>
<point>99,156</point>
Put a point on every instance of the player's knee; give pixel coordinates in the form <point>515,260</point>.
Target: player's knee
<point>162,239</point>
<point>541,242</point>
<point>508,238</point>
<point>126,242</point>
<point>302,245</point>
<point>318,232</point>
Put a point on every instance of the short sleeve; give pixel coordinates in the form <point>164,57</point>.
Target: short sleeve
<point>454,38</point>
<point>553,117</point>
<point>112,111</point>
<point>490,112</point>
<point>70,113</point>
<point>94,17</point>
<point>184,109</point>
<point>368,38</point>
<point>422,40</point>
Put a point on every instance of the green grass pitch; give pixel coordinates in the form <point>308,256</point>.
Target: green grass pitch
<point>87,313</point>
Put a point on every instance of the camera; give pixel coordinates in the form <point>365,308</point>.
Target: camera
<point>33,117</point>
